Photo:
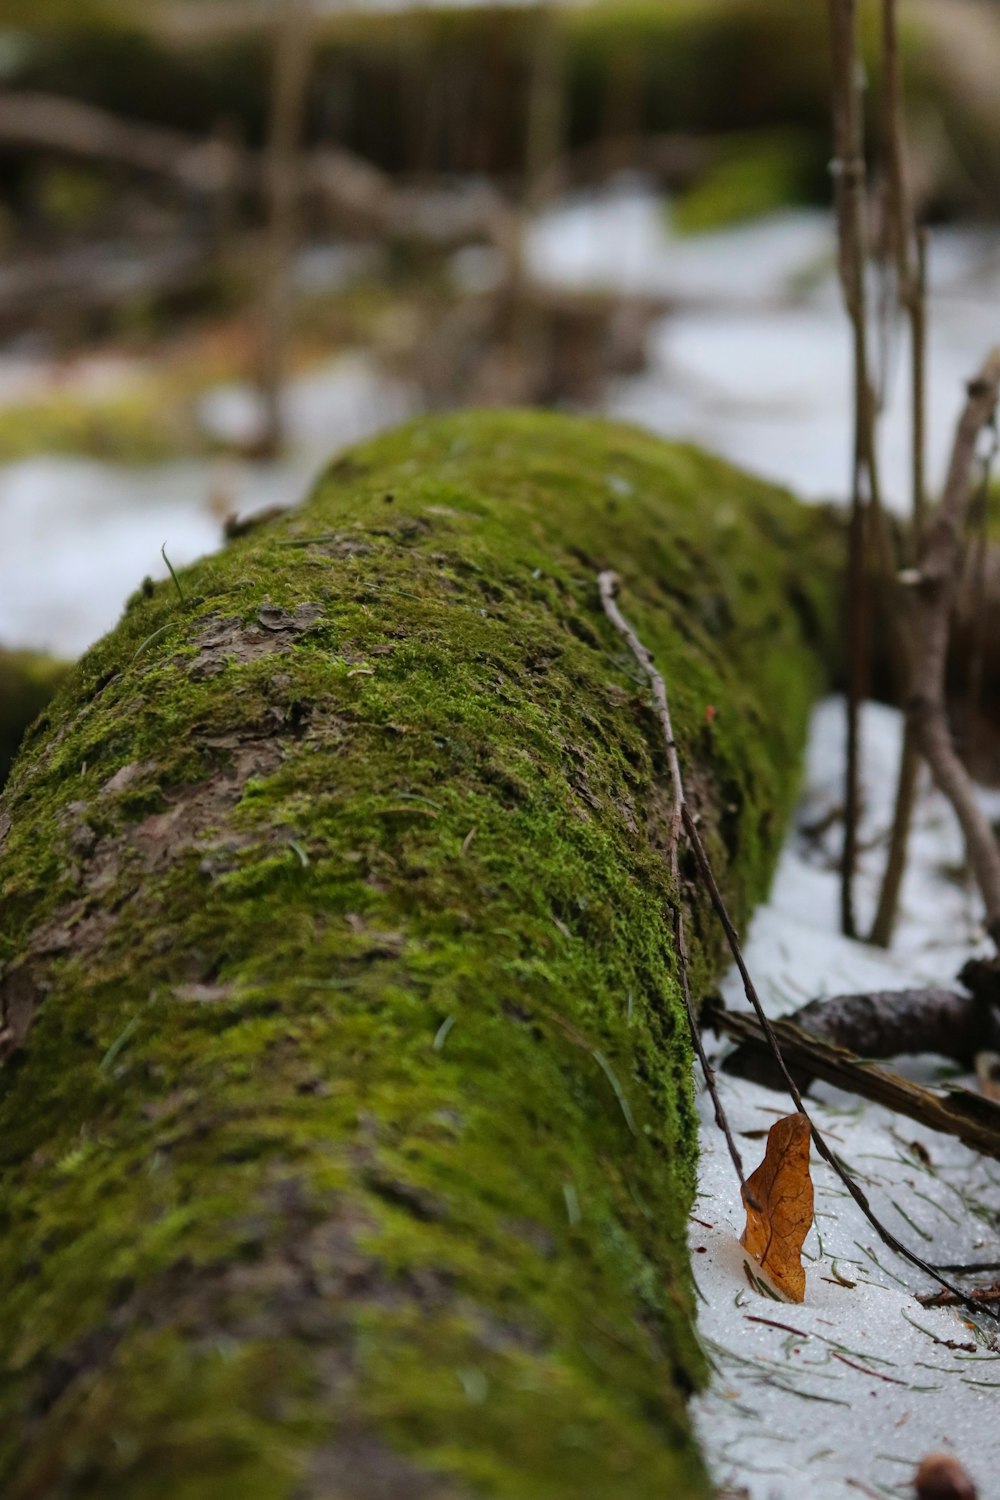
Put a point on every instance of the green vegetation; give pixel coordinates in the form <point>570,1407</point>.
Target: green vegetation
<point>645,65</point>
<point>134,427</point>
<point>712,67</point>
<point>347,1131</point>
<point>749,176</point>
<point>28,680</point>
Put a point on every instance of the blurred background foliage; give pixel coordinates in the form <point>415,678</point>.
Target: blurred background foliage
<point>204,291</point>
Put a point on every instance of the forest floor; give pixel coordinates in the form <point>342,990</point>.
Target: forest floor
<point>847,1391</point>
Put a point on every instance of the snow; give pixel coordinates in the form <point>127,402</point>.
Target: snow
<point>864,1384</point>
<point>752,360</point>
<point>80,535</point>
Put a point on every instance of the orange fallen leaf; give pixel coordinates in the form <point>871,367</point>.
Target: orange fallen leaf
<point>783,1188</point>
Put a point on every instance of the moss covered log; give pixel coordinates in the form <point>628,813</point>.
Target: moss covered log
<point>347,1131</point>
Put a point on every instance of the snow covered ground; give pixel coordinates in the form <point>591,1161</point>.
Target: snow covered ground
<point>753,360</point>
<point>79,535</point>
<point>844,1393</point>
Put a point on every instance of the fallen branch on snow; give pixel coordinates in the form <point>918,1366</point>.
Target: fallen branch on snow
<point>970,1117</point>
<point>886,1023</point>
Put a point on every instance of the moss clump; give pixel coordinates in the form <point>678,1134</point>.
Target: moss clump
<point>347,1132</point>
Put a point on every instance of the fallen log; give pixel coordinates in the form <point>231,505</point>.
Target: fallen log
<point>347,1126</point>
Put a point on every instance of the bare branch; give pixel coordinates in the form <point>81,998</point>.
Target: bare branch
<point>607,583</point>
<point>47,122</point>
<point>910,251</point>
<point>939,574</point>
<point>885,1023</point>
<point>852,242</point>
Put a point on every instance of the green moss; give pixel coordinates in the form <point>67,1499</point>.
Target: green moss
<point>129,428</point>
<point>28,680</point>
<point>750,176</point>
<point>355,1133</point>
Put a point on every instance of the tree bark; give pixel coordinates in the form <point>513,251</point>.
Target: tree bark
<point>347,1129</point>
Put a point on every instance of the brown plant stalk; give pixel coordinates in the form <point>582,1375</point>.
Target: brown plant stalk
<point>849,197</point>
<point>607,583</point>
<point>936,588</point>
<point>282,183</point>
<point>909,247</point>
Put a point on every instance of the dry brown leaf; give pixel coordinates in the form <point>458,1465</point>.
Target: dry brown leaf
<point>783,1188</point>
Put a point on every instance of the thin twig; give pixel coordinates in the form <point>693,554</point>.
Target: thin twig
<point>918,334</point>
<point>875,1374</point>
<point>849,188</point>
<point>910,251</point>
<point>773,1323</point>
<point>607,583</point>
<point>979,518</point>
<point>969,1267</point>
<point>293,57</point>
<point>866,497</point>
<point>907,782</point>
<point>979,1298</point>
<point>936,590</point>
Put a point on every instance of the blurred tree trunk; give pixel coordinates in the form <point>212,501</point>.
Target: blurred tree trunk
<point>283,185</point>
<point>347,1127</point>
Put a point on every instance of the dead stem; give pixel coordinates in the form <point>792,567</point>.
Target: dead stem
<point>910,252</point>
<point>979,518</point>
<point>937,586</point>
<point>849,189</point>
<point>607,583</point>
<point>293,58</point>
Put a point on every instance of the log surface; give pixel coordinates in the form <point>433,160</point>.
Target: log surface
<point>347,1129</point>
